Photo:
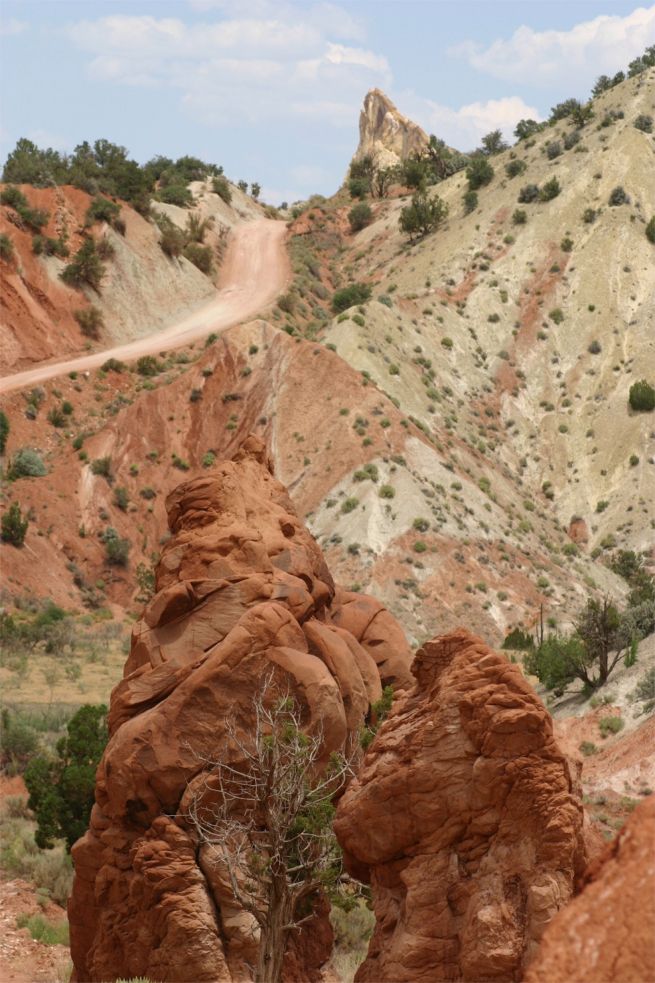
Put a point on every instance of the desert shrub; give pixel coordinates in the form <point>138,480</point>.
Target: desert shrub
<point>353,926</point>
<point>520,216</point>
<point>644,123</point>
<point>619,196</point>
<point>588,748</point>
<point>47,246</point>
<point>419,546</point>
<point>13,196</point>
<point>650,230</point>
<point>27,463</point>
<point>148,493</point>
<point>479,173</point>
<point>18,741</point>
<point>208,459</point>
<point>387,491</point>
<point>423,215</point>
<point>589,216</point>
<point>102,210</point>
<point>221,187</point>
<point>200,256</point>
<point>171,239</point>
<point>556,315</point>
<point>90,321</point>
<point>105,248</point>
<point>553,149</point>
<point>518,639</point>
<point>44,931</point>
<point>529,193</point>
<point>594,348</point>
<point>148,365</point>
<point>646,686</point>
<point>566,245</point>
<point>470,201</point>
<point>610,725</point>
<point>420,524</point>
<point>85,268</point>
<point>355,293</point>
<point>4,430</point>
<point>121,498</point>
<point>62,787</point>
<point>550,190</point>
<point>6,248</point>
<point>571,139</point>
<point>514,167</point>
<point>359,216</point>
<point>113,365</point>
<point>57,417</point>
<point>359,187</point>
<point>349,505</point>
<point>117,550</point>
<point>642,397</point>
<point>101,466</point>
<point>175,194</point>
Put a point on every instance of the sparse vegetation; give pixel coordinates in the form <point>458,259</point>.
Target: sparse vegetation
<point>356,293</point>
<point>13,526</point>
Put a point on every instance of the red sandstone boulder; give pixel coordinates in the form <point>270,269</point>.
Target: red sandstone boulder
<point>242,591</point>
<point>607,933</point>
<point>466,820</point>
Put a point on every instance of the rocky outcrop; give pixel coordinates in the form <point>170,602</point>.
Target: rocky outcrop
<point>607,933</point>
<point>466,820</point>
<point>385,134</point>
<point>242,591</point>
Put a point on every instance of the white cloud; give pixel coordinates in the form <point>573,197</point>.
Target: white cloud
<point>281,63</point>
<point>603,45</point>
<point>463,128</point>
<point>11,26</point>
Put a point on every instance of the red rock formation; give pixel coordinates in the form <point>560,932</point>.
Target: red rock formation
<point>578,531</point>
<point>607,933</point>
<point>242,589</point>
<point>466,820</point>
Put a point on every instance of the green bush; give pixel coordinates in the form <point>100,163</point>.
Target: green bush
<point>470,201</point>
<point>514,167</point>
<point>47,246</point>
<point>86,267</point>
<point>221,187</point>
<point>529,193</point>
<point>121,498</point>
<point>588,748</point>
<point>642,397</point>
<point>610,725</point>
<point>148,365</point>
<point>102,210</point>
<point>518,639</point>
<point>520,216</point>
<point>44,931</point>
<point>6,248</point>
<point>172,240</point>
<point>4,431</point>
<point>62,788</point>
<point>550,190</point>
<point>175,194</point>
<point>13,196</point>
<point>200,256</point>
<point>423,215</point>
<point>90,320</point>
<point>619,196</point>
<point>387,491</point>
<point>18,741</point>
<point>349,505</point>
<point>359,187</point>
<point>27,463</point>
<point>650,230</point>
<point>101,466</point>
<point>478,173</point>
<point>359,216</point>
<point>117,550</point>
<point>356,293</point>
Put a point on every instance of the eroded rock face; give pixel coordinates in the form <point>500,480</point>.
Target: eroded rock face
<point>607,933</point>
<point>466,820</point>
<point>385,134</point>
<point>242,590</point>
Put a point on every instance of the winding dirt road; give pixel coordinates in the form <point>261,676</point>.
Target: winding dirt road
<point>255,271</point>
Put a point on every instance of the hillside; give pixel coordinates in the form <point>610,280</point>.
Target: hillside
<point>455,445</point>
<point>143,289</point>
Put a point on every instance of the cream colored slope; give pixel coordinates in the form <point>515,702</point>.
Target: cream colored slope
<point>567,420</point>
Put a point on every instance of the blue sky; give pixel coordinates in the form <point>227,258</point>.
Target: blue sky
<point>272,90</point>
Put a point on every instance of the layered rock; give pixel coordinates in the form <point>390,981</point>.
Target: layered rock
<point>607,933</point>
<point>385,134</point>
<point>466,820</point>
<point>242,592</point>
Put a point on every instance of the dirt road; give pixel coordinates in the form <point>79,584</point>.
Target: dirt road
<point>254,272</point>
